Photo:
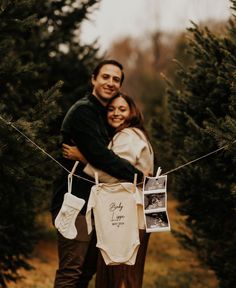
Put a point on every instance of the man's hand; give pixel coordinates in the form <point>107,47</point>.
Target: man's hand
<point>73,153</point>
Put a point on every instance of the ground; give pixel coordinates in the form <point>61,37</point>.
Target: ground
<point>168,264</point>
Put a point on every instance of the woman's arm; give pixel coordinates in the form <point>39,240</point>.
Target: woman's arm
<point>73,153</point>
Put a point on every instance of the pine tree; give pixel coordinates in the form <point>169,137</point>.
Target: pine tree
<point>202,120</point>
<point>39,81</point>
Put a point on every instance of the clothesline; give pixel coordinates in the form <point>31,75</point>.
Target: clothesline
<point>9,123</point>
<point>197,159</point>
<point>41,149</point>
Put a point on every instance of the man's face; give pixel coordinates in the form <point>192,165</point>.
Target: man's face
<point>107,83</point>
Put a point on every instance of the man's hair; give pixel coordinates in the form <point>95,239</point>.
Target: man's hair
<point>108,62</point>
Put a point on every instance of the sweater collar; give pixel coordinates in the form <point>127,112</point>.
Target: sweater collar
<point>97,103</point>
<point>103,112</point>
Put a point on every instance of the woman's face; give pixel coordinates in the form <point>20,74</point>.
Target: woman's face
<point>118,112</point>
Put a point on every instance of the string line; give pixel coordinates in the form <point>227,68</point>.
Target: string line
<point>85,179</point>
<point>42,150</point>
<point>195,160</point>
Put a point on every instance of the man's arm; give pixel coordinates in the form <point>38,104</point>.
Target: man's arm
<point>125,144</point>
<point>89,139</point>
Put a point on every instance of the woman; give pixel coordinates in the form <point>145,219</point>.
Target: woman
<point>130,141</point>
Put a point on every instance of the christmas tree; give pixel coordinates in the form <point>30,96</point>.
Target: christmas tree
<point>202,120</point>
<point>43,70</point>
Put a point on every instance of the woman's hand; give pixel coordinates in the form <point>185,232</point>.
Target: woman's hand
<point>73,153</point>
<point>147,173</point>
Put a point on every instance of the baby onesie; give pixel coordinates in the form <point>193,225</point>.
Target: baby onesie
<point>116,221</point>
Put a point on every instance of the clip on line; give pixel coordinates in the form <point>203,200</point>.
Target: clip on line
<point>85,179</point>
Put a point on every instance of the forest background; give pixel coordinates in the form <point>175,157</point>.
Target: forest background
<point>189,107</point>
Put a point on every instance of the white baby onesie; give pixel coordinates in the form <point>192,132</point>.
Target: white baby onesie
<point>116,221</point>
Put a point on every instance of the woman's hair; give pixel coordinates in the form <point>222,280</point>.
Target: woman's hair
<point>135,119</point>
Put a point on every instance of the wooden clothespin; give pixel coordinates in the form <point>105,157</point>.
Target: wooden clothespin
<point>71,175</point>
<point>158,172</point>
<point>135,181</point>
<point>96,178</point>
<point>74,167</point>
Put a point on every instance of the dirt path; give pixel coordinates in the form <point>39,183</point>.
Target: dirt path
<point>168,265</point>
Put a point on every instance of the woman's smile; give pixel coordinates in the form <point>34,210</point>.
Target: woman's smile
<point>118,112</point>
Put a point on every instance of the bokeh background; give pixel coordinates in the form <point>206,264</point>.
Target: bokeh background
<point>179,60</point>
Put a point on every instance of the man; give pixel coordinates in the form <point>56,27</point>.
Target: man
<point>85,126</point>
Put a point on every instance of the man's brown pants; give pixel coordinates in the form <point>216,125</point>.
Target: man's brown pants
<point>77,258</point>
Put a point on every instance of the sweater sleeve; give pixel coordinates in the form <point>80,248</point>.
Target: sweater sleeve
<point>127,145</point>
<point>89,139</point>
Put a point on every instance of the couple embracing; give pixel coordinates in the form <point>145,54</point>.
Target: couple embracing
<point>105,132</point>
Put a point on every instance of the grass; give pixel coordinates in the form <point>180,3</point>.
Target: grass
<point>168,264</point>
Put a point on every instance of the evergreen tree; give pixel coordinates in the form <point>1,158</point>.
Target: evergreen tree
<point>32,69</point>
<point>202,120</point>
